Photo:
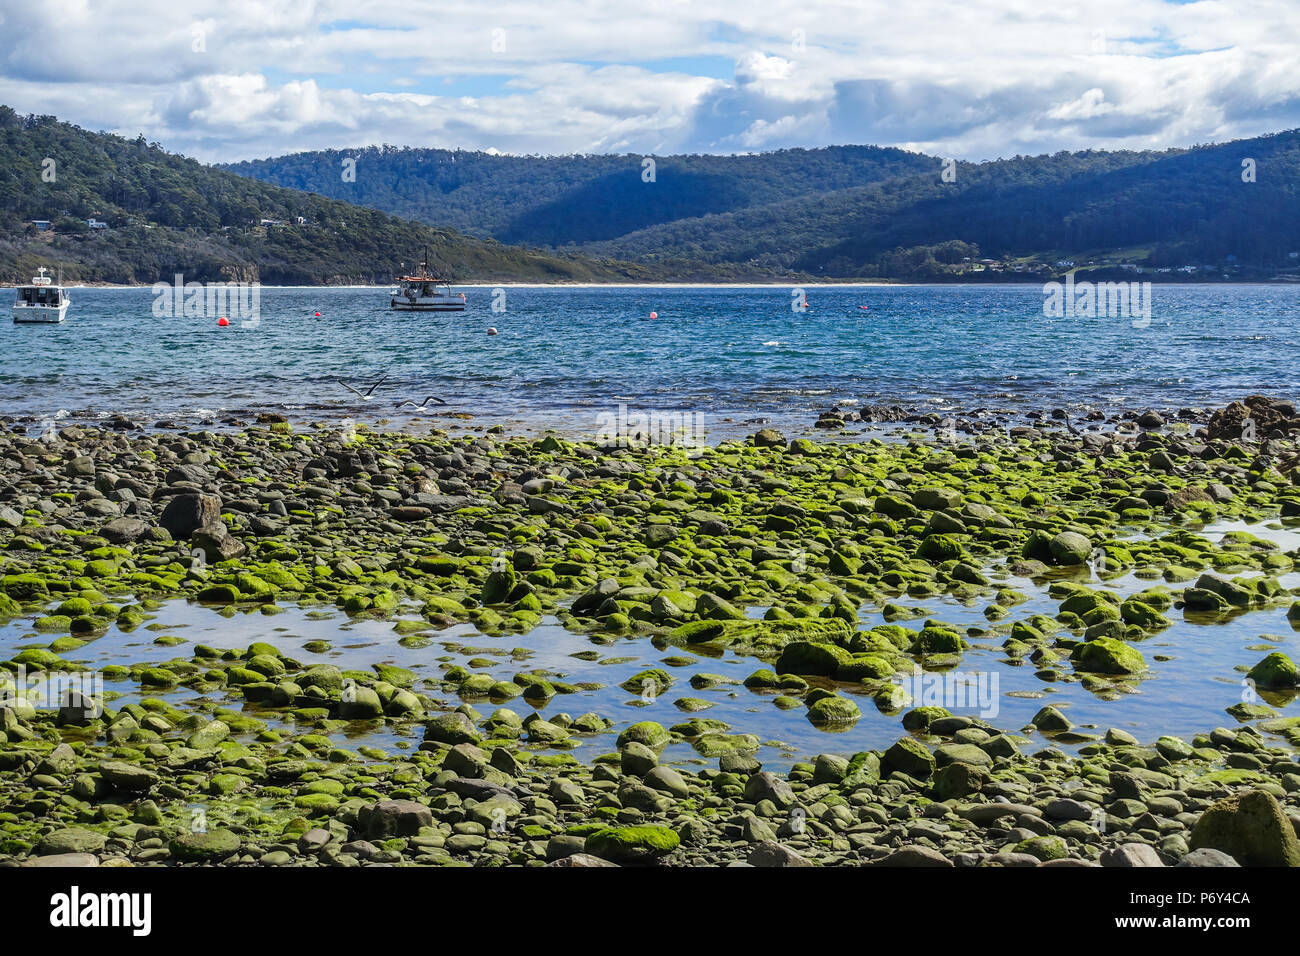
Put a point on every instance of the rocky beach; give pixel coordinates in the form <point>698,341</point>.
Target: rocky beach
<point>819,572</point>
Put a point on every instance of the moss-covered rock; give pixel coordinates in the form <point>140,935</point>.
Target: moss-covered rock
<point>646,732</point>
<point>1251,828</point>
<point>910,757</point>
<point>1070,547</point>
<point>811,657</point>
<point>1275,672</point>
<point>632,845</point>
<point>1106,655</point>
<point>833,709</point>
<point>210,847</point>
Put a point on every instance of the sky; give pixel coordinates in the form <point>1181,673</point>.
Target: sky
<point>975,79</point>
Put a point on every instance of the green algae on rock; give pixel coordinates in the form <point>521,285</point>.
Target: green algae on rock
<point>767,549</point>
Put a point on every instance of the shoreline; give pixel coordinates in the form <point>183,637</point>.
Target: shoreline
<point>492,760</point>
<point>833,284</point>
<point>840,420</point>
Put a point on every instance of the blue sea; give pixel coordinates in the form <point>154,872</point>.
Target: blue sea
<point>564,355</point>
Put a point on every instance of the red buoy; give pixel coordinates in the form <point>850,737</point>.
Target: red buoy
<point>223,321</point>
<point>654,315</point>
<point>318,315</point>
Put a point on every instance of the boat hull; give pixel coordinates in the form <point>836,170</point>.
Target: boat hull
<point>39,315</point>
<point>406,305</point>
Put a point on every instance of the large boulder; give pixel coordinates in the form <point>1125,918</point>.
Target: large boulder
<point>1070,547</point>
<point>646,732</point>
<point>124,530</point>
<point>934,499</point>
<point>465,760</point>
<point>71,840</point>
<point>915,856</point>
<point>1276,671</point>
<point>910,757</point>
<point>772,854</point>
<point>812,657</point>
<point>667,780</point>
<point>1264,413</point>
<point>217,543</point>
<point>63,860</point>
<point>187,513</point>
<point>958,780</point>
<point>452,728</point>
<point>1105,655</point>
<point>768,786</point>
<point>1207,857</point>
<point>128,777</point>
<point>641,844</point>
<point>1251,828</point>
<point>636,759</point>
<point>210,847</point>
<point>360,703</point>
<point>832,709</point>
<point>393,818</point>
<point>1131,855</point>
<point>209,735</point>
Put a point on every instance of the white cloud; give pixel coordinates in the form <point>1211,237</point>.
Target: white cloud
<point>1092,103</point>
<point>975,80</point>
<point>757,68</point>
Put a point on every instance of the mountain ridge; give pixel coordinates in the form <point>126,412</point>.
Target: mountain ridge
<point>856,212</point>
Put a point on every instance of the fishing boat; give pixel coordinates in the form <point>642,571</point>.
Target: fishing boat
<point>40,302</point>
<point>424,292</point>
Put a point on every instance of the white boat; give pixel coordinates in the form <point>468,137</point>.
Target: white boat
<point>425,293</point>
<point>40,302</point>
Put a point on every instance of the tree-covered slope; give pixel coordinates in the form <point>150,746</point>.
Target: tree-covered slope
<point>846,211</point>
<point>570,200</point>
<point>168,214</point>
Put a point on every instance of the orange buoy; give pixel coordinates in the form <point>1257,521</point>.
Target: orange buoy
<point>223,321</point>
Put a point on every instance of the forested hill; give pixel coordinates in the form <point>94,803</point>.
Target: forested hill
<point>123,210</point>
<point>568,200</point>
<point>1155,210</point>
<point>853,211</point>
<point>164,214</point>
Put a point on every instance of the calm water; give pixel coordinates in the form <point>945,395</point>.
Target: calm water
<point>565,355</point>
<point>1196,671</point>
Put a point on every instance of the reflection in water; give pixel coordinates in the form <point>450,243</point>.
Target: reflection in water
<point>1197,669</point>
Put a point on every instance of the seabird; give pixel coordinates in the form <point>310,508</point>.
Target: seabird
<point>368,392</point>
